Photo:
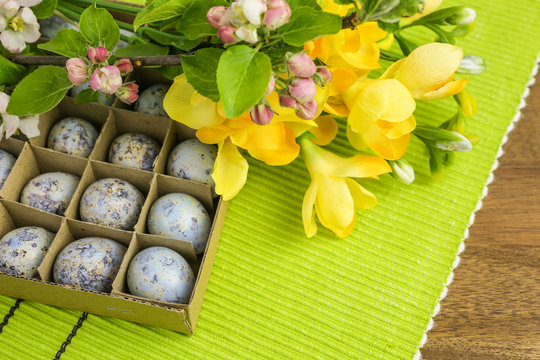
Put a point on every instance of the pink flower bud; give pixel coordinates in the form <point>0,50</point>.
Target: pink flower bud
<point>271,86</point>
<point>124,65</point>
<point>226,34</point>
<point>307,111</point>
<point>303,90</point>
<point>252,10</point>
<point>215,14</point>
<point>97,55</point>
<point>248,33</point>
<point>278,14</point>
<point>324,75</point>
<point>107,79</point>
<point>77,71</point>
<point>261,114</point>
<point>287,101</point>
<point>128,93</point>
<point>301,65</point>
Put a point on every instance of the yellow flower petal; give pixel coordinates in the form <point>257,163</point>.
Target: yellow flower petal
<point>370,32</point>
<point>366,58</point>
<point>183,104</point>
<point>218,133</point>
<point>368,107</point>
<point>230,170</point>
<point>334,8</point>
<point>334,204</point>
<point>391,149</point>
<point>363,199</point>
<point>355,139</point>
<point>402,103</point>
<point>326,130</point>
<point>447,90</point>
<point>336,106</point>
<point>308,216</point>
<point>429,7</point>
<point>342,79</point>
<point>399,129</point>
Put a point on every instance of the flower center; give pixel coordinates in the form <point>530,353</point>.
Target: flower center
<point>16,24</point>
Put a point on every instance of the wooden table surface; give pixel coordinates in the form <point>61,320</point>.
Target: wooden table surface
<point>492,310</point>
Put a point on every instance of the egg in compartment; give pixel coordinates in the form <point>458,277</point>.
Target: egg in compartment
<point>111,202</point>
<point>50,192</point>
<point>73,136</point>
<point>134,150</point>
<point>22,250</point>
<point>193,160</point>
<point>6,164</point>
<point>180,216</point>
<point>151,100</point>
<point>160,273</point>
<point>90,263</point>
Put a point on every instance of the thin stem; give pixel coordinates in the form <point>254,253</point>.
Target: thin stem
<point>65,18</point>
<point>110,6</point>
<point>138,61</point>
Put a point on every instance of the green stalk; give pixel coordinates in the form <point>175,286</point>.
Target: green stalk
<point>109,6</point>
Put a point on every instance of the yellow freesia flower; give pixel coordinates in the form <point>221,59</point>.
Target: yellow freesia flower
<point>380,116</point>
<point>428,71</point>
<point>333,194</point>
<point>429,7</point>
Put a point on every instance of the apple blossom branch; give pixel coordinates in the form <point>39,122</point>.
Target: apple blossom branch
<point>137,61</point>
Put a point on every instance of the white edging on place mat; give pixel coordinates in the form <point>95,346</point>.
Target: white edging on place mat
<point>500,152</point>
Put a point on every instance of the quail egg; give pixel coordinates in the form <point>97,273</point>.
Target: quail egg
<point>151,100</point>
<point>6,164</point>
<point>90,263</point>
<point>134,150</point>
<point>160,273</point>
<point>193,160</point>
<point>50,26</point>
<point>180,216</point>
<point>73,136</point>
<point>111,202</point>
<point>103,99</point>
<point>23,249</point>
<point>50,192</point>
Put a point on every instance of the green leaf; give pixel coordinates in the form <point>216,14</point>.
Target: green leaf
<point>45,8</point>
<point>280,49</point>
<point>163,38</point>
<point>194,23</point>
<point>307,24</point>
<point>437,17</point>
<point>405,44</point>
<point>99,28</point>
<point>242,77</point>
<point>170,72</point>
<point>10,73</point>
<point>434,134</point>
<point>309,3</point>
<point>87,95</point>
<point>142,50</point>
<point>40,91</point>
<point>67,42</point>
<point>200,70</point>
<point>159,10</point>
<point>436,165</point>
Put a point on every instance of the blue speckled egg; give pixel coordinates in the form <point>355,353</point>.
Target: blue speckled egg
<point>73,136</point>
<point>160,273</point>
<point>50,192</point>
<point>180,216</point>
<point>111,202</point>
<point>22,250</point>
<point>151,100</point>
<point>103,99</point>
<point>6,164</point>
<point>50,26</point>
<point>134,150</point>
<point>90,263</point>
<point>193,160</point>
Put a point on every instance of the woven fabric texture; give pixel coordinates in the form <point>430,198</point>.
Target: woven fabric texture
<point>273,294</point>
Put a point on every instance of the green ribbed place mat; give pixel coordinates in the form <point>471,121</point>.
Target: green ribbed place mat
<point>273,294</point>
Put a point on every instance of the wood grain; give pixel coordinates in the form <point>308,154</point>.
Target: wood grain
<point>492,310</point>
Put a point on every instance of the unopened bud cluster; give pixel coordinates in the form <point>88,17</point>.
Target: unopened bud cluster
<point>243,19</point>
<point>103,77</point>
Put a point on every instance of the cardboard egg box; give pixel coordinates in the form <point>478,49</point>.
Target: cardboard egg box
<point>33,158</point>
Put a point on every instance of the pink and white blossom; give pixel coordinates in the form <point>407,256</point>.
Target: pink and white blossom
<point>124,65</point>
<point>18,26</point>
<point>77,71</point>
<point>248,33</point>
<point>226,34</point>
<point>28,125</point>
<point>128,93</point>
<point>215,15</point>
<point>301,65</point>
<point>303,90</point>
<point>97,55</point>
<point>307,110</point>
<point>261,114</point>
<point>278,14</point>
<point>253,10</point>
<point>107,79</point>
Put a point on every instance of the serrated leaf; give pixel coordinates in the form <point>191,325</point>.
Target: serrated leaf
<point>40,91</point>
<point>99,28</point>
<point>10,73</point>
<point>67,42</point>
<point>87,95</point>
<point>45,8</point>
<point>200,70</point>
<point>141,50</point>
<point>242,77</point>
<point>194,23</point>
<point>307,24</point>
<point>159,10</point>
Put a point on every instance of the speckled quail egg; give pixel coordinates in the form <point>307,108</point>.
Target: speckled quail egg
<point>151,100</point>
<point>50,26</point>
<point>160,273</point>
<point>103,99</point>
<point>73,136</point>
<point>111,202</point>
<point>6,164</point>
<point>50,192</point>
<point>134,150</point>
<point>180,216</point>
<point>23,249</point>
<point>90,263</point>
<point>193,160</point>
